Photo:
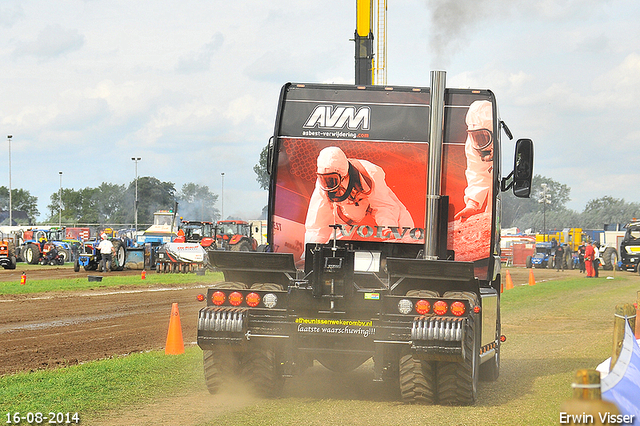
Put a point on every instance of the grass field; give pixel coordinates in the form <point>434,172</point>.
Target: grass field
<point>81,283</point>
<point>553,329</point>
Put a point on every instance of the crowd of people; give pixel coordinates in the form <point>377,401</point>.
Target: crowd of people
<point>588,257</point>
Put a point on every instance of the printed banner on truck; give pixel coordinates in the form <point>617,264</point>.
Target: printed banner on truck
<point>363,165</point>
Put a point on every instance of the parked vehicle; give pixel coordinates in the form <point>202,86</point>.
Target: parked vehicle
<point>235,235</point>
<point>543,257</point>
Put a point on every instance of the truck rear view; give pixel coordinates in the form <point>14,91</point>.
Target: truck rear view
<point>384,210</point>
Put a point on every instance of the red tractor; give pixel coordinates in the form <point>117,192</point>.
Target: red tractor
<point>195,231</point>
<point>235,235</point>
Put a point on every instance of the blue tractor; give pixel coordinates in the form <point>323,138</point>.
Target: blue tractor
<point>543,258</point>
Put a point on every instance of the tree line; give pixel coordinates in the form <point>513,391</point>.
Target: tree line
<point>546,209</point>
<point>114,204</point>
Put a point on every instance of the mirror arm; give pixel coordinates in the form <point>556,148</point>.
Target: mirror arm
<point>505,184</point>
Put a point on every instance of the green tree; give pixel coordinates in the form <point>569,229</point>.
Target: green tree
<point>519,211</point>
<point>21,200</point>
<point>262,175</point>
<point>197,202</point>
<point>153,195</point>
<point>608,210</point>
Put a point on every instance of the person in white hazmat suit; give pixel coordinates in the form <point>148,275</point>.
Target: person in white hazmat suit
<point>346,191</point>
<point>479,152</point>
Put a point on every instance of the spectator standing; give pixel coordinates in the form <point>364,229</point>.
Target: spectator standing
<point>596,259</point>
<point>106,253</point>
<point>581,257</point>
<point>559,258</point>
<point>589,254</point>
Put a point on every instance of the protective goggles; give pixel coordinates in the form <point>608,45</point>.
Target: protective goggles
<point>330,181</point>
<point>481,138</point>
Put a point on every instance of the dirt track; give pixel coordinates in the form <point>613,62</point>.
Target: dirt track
<point>50,330</point>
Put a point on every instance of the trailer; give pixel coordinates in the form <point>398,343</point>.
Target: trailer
<point>383,244</point>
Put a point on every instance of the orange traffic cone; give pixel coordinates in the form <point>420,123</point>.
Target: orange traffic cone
<point>175,344</point>
<point>23,279</point>
<point>532,280</point>
<point>144,274</point>
<point>509,285</point>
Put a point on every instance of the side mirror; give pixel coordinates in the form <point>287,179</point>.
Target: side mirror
<point>522,170</point>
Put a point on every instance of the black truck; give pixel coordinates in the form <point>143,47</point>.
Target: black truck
<point>384,228</point>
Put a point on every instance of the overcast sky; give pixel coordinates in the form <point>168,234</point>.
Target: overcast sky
<point>192,87</point>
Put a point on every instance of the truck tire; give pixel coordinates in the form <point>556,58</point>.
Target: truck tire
<point>229,285</point>
<point>417,380</point>
<point>609,259</point>
<point>457,382</point>
<point>76,265</point>
<point>266,287</point>
<point>219,363</point>
<point>263,371</point>
<point>529,264</point>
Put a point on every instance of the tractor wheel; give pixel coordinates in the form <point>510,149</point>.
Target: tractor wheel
<point>229,285</point>
<point>529,264</point>
<point>76,265</point>
<point>91,267</point>
<point>609,259</point>
<point>159,268</point>
<point>32,254</point>
<point>12,263</point>
<point>64,254</point>
<point>417,380</point>
<point>263,371</point>
<point>120,257</point>
<point>457,382</point>
<point>241,246</point>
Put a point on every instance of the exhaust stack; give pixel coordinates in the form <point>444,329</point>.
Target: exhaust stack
<point>436,125</point>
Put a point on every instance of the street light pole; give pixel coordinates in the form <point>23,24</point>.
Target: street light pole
<point>222,199</point>
<point>544,210</point>
<point>60,206</point>
<point>10,203</point>
<point>135,206</point>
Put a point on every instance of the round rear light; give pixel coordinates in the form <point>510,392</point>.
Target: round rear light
<point>458,309</point>
<point>218,298</point>
<point>200,297</point>
<point>405,306</point>
<point>423,307</point>
<point>476,309</point>
<point>235,298</point>
<point>440,307</point>
<point>253,299</point>
<point>270,300</point>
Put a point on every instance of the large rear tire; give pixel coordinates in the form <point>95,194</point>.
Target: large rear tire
<point>64,254</point>
<point>609,259</point>
<point>241,246</point>
<point>529,264</point>
<point>457,382</point>
<point>32,254</point>
<point>117,264</point>
<point>417,380</point>
<point>220,362</point>
<point>263,371</point>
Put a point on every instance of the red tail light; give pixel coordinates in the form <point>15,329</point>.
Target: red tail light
<point>440,307</point>
<point>458,309</point>
<point>253,299</point>
<point>235,298</point>
<point>200,297</point>
<point>218,298</point>
<point>423,307</point>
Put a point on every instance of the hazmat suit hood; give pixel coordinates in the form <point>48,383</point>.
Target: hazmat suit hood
<point>479,121</point>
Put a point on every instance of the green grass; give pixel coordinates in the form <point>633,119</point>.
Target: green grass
<point>101,386</point>
<point>82,283</point>
<point>553,329</point>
